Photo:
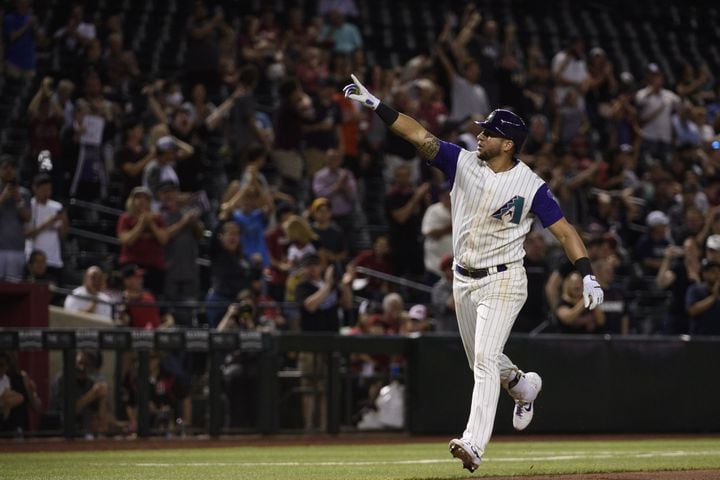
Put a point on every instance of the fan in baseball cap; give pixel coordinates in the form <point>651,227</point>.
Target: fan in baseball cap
<point>506,124</point>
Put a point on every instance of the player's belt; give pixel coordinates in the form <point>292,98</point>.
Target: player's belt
<point>480,272</point>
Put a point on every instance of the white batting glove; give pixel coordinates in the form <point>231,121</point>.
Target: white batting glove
<point>592,292</point>
<point>357,91</point>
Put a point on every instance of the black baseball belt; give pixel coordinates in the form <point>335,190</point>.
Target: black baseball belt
<point>480,272</point>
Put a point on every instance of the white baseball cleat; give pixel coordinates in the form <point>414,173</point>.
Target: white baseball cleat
<point>466,452</point>
<point>530,384</point>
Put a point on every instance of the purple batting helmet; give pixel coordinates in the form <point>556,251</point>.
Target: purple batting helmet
<point>506,124</point>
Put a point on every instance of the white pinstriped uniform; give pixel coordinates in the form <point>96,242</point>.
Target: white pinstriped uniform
<point>491,217</point>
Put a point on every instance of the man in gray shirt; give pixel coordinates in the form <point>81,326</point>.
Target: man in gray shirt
<point>181,251</point>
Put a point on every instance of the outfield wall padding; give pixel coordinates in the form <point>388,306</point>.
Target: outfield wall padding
<point>591,384</point>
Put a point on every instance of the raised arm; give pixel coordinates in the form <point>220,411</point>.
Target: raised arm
<point>406,127</point>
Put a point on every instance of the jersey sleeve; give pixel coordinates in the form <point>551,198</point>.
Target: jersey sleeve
<point>546,207</point>
<point>446,160</point>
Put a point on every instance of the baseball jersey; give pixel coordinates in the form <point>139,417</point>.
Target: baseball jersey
<point>492,212</point>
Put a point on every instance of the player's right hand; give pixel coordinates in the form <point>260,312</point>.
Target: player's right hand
<point>357,91</point>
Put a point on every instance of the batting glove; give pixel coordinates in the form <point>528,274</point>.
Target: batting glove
<point>592,292</point>
<point>357,91</point>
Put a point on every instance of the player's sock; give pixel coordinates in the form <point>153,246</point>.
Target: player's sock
<point>513,378</point>
<point>521,389</point>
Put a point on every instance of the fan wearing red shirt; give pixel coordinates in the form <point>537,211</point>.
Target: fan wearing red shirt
<point>142,236</point>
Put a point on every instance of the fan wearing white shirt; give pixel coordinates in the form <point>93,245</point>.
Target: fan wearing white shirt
<point>47,226</point>
<point>437,229</point>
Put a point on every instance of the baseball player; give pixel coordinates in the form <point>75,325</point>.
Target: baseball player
<point>495,198</point>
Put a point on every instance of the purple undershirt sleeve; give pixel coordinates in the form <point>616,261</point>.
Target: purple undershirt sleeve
<point>546,207</point>
<point>446,160</point>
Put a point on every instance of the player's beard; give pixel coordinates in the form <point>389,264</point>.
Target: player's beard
<point>488,152</point>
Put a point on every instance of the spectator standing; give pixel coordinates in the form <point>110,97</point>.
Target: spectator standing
<point>142,236</point>
<point>469,98</point>
<point>230,271</point>
<point>340,35</point>
<point>485,46</point>
<point>656,106</point>
<point>601,88</point>
<point>119,65</point>
<point>320,299</point>
<point>89,298</point>
<point>437,230</point>
<point>132,157</point>
<point>679,269</point>
<point>277,242</point>
<point>184,230</point>
<point>14,212</point>
<point>91,131</point>
<point>63,96</point>
<point>323,130</point>
<point>19,37</point>
<point>191,163</point>
<point>250,206</point>
<point>202,54</point>
<point>243,130</point>
<point>47,226</point>
<point>303,241</point>
<point>45,118</point>
<point>332,248</point>
<point>77,32</point>
<point>161,169</point>
<point>570,72</point>
<point>339,186</point>
<point>293,110</point>
<point>650,248</point>
<point>404,206</point>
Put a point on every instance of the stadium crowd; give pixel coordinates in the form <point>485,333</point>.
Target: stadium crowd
<point>250,156</point>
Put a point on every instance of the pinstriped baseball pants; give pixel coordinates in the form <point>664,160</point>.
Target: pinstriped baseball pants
<point>486,310</point>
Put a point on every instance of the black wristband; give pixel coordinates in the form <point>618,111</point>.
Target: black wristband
<point>386,113</point>
<point>583,266</point>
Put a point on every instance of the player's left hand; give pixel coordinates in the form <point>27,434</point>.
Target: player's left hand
<point>357,91</point>
<point>592,292</point>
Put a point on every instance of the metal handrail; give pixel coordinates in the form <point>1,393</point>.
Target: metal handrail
<point>394,279</point>
<point>95,206</point>
<point>93,236</point>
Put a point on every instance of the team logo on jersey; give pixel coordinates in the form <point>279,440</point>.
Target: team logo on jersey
<point>511,211</point>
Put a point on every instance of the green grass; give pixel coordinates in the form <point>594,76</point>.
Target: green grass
<point>420,461</point>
